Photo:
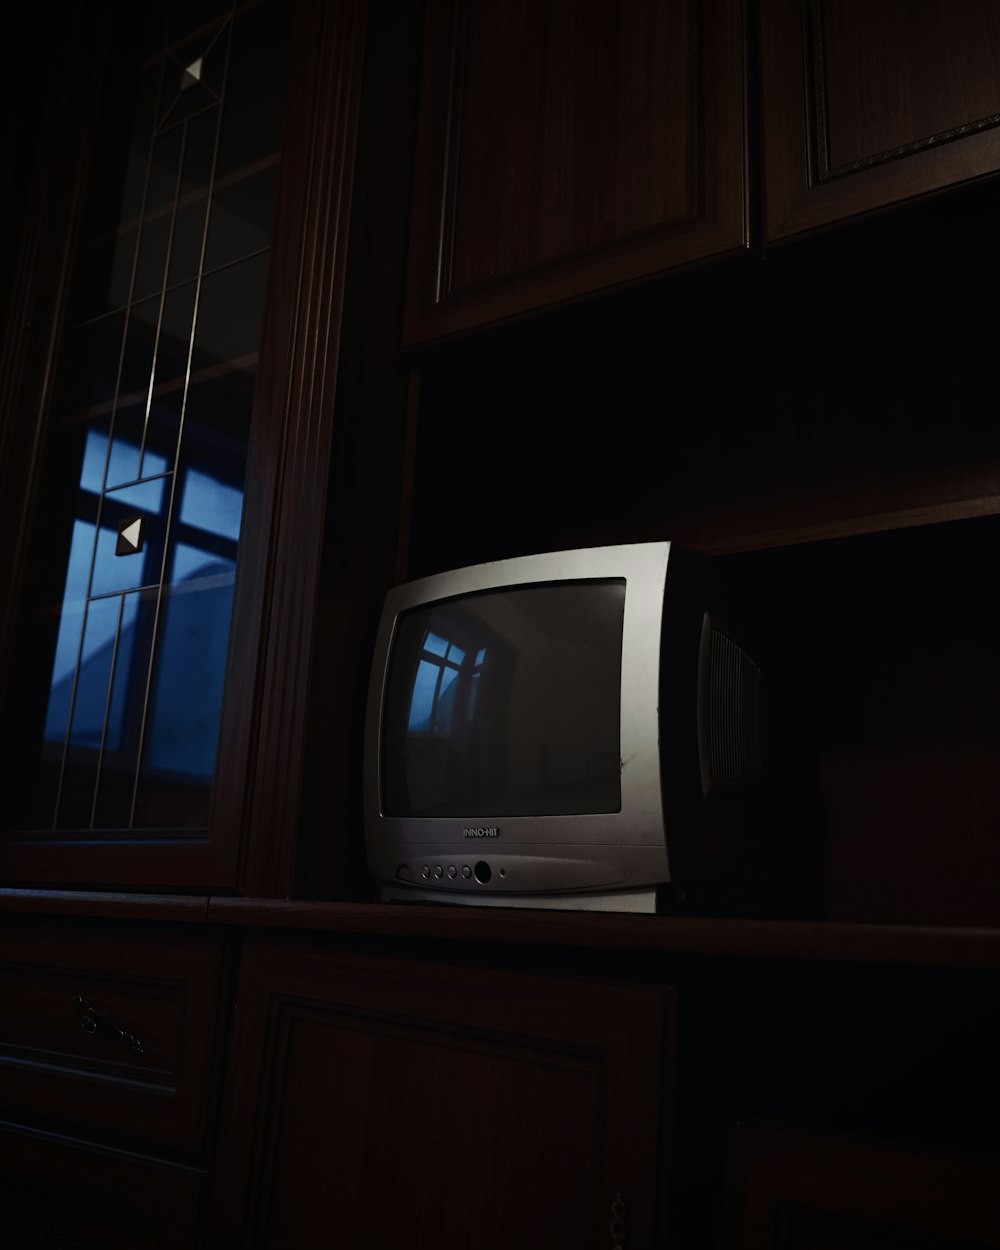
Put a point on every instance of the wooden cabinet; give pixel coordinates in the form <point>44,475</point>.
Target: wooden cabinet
<point>433,1078</point>
<point>111,1047</point>
<point>399,1102</point>
<point>792,1187</point>
<point>868,105</point>
<point>567,148</point>
<point>455,1077</point>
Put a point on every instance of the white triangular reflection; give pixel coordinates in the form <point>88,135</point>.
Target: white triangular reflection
<point>130,533</point>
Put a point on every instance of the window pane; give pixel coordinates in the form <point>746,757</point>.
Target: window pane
<point>189,234</point>
<point>183,726</point>
<point>241,218</point>
<point>435,644</point>
<point>229,313</point>
<point>90,704</point>
<point>446,702</point>
<point>70,625</point>
<point>422,698</point>
<point>211,505</point>
<point>125,634</point>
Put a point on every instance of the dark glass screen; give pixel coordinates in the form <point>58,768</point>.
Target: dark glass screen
<point>507,703</point>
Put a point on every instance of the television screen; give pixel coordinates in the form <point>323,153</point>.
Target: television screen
<point>506,702</point>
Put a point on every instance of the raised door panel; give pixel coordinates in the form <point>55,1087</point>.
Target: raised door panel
<point>405,1104</point>
<point>566,148</point>
<point>793,1188</point>
<point>110,1032</point>
<point>866,105</point>
<point>61,1194</point>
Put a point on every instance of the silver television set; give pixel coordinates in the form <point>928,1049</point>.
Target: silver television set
<point>561,730</point>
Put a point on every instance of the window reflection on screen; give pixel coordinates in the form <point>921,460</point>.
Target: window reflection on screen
<point>506,703</point>
<point>432,704</point>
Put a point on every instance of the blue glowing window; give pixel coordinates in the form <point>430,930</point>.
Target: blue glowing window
<point>444,681</point>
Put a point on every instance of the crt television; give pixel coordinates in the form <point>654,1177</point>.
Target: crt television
<point>560,730</point>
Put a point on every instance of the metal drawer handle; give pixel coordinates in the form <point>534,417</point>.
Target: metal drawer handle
<point>619,1222</point>
<point>94,1020</point>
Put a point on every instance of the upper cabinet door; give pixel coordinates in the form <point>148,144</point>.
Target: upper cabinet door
<point>866,105</point>
<point>162,557</point>
<point>569,146</point>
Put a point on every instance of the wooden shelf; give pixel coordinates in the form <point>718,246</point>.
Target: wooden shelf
<point>916,945</point>
<point>849,527</point>
<point>174,907</point>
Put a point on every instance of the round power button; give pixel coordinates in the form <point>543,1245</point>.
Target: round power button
<point>483,871</point>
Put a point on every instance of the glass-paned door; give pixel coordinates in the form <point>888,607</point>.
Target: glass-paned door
<point>116,705</point>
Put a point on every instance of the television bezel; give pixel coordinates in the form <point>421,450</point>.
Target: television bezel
<point>639,822</point>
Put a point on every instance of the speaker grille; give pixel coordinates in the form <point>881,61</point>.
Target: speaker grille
<point>729,712</point>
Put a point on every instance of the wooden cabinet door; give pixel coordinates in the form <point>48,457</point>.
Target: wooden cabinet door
<point>393,1103</point>
<point>866,105</point>
<point>568,147</point>
<point>790,1188</point>
<point>165,353</point>
<point>62,1194</point>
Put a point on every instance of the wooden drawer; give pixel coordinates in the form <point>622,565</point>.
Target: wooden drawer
<point>57,1192</point>
<point>111,1030</point>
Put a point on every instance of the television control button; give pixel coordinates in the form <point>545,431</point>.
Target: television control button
<point>483,871</point>
<point>452,871</point>
<point>466,871</point>
<point>426,870</point>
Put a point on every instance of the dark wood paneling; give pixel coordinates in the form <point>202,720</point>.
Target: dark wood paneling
<point>885,672</point>
<point>127,860</point>
<point>290,462</point>
<point>369,474</point>
<point>57,1192</point>
<point>836,389</point>
<point>442,1107</point>
<point>868,105</point>
<point>567,148</point>
<point>790,1188</point>
<point>162,991</point>
<point>544,166</point>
